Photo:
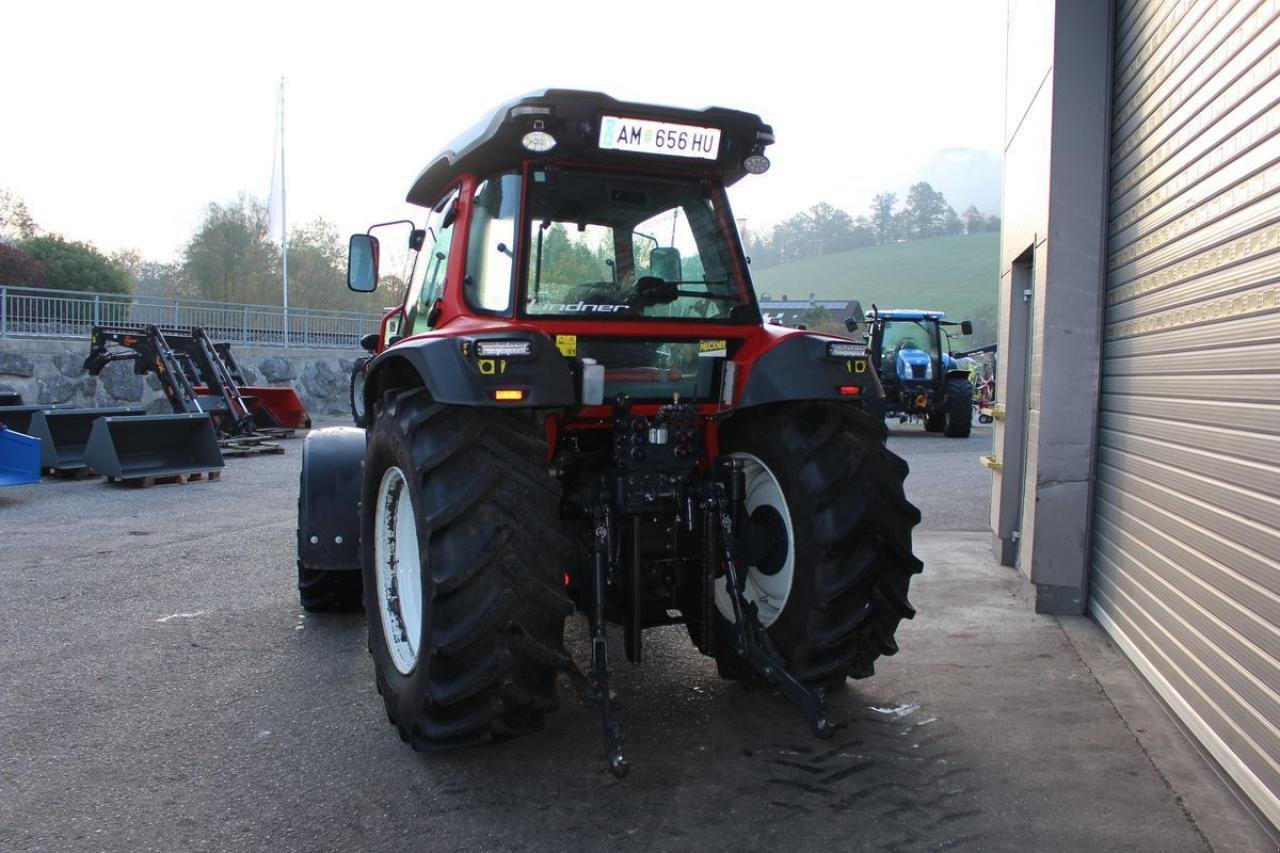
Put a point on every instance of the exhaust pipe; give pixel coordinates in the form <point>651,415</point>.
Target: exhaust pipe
<point>63,434</point>
<point>129,448</point>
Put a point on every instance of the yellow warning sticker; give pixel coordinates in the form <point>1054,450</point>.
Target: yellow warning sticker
<point>567,344</point>
<point>713,348</point>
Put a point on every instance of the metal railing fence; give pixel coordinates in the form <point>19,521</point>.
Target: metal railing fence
<point>36,313</point>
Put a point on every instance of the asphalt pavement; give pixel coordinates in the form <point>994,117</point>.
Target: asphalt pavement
<point>161,689</point>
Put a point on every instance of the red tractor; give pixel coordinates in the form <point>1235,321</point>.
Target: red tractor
<point>578,408</point>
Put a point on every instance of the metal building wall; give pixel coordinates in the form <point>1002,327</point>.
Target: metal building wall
<point>1185,548</point>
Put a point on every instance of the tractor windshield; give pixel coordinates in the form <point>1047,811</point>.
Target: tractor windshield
<point>608,245</point>
<point>911,346</point>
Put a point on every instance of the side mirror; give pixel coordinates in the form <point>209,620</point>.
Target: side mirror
<point>851,325</point>
<point>369,342</point>
<point>664,263</point>
<point>362,263</point>
<point>966,327</point>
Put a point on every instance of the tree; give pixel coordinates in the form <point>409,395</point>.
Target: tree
<point>974,222</point>
<point>229,258</point>
<point>19,269</point>
<point>15,220</point>
<point>926,210</point>
<point>158,279</point>
<point>951,223</point>
<point>882,216</point>
<point>76,266</point>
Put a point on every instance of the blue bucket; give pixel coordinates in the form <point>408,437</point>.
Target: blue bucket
<point>19,458</point>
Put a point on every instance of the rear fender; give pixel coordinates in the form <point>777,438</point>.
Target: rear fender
<point>453,372</point>
<point>798,367</point>
<point>329,499</point>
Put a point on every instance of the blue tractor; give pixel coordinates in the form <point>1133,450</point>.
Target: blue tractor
<point>911,353</point>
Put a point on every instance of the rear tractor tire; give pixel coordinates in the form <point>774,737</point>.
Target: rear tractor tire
<point>463,570</point>
<point>958,407</point>
<point>832,596</point>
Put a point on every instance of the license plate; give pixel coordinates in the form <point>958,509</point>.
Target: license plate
<point>659,137</point>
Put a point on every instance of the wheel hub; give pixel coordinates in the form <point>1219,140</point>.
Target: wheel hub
<point>768,571</point>
<point>398,570</point>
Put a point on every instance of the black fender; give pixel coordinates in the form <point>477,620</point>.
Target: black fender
<point>454,373</point>
<point>329,499</point>
<point>799,367</point>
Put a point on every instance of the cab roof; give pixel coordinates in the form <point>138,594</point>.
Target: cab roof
<point>573,118</point>
<point>906,314</point>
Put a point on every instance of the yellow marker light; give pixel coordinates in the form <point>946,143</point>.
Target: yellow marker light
<point>508,394</point>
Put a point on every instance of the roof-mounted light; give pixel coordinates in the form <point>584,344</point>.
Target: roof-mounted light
<point>528,110</point>
<point>538,141</point>
<point>756,164</point>
<point>763,138</point>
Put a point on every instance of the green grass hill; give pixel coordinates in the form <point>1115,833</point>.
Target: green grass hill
<point>953,274</point>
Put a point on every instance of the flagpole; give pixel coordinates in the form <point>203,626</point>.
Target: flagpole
<point>284,221</point>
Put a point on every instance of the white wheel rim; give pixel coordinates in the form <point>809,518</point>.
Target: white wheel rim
<point>398,566</point>
<point>357,395</point>
<point>768,592</point>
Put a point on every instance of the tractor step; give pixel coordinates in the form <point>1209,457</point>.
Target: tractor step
<point>171,479</point>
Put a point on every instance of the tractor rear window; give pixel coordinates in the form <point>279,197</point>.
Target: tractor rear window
<point>656,370</point>
<point>607,246</point>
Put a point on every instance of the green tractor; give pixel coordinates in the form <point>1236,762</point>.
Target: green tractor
<point>910,352</point>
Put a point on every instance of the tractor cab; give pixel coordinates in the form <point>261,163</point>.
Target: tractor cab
<point>603,224</point>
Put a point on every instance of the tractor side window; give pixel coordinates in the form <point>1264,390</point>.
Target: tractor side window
<point>426,283</point>
<point>491,244</point>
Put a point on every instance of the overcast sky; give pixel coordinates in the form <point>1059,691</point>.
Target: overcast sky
<point>123,120</point>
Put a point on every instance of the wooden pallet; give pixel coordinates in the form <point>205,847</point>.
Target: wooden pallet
<point>179,479</point>
<point>69,473</point>
<point>247,445</point>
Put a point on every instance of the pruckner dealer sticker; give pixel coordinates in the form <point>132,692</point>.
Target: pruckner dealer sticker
<point>713,349</point>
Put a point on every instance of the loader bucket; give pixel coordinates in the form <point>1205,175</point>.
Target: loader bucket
<point>18,418</point>
<point>134,447</point>
<point>19,458</point>
<point>271,406</point>
<point>63,434</point>
<point>282,404</point>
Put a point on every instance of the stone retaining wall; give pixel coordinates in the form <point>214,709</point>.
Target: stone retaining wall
<point>48,370</point>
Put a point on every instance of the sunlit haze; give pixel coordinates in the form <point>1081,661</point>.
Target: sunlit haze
<point>124,120</point>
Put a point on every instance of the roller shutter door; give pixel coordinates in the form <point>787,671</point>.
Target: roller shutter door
<point>1185,547</point>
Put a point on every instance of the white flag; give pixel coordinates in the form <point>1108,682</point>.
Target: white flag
<point>275,206</point>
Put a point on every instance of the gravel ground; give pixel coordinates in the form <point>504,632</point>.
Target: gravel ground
<point>162,690</point>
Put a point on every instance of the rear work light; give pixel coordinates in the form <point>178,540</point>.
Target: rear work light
<point>538,141</point>
<point>508,395</point>
<point>503,349</point>
<point>850,350</point>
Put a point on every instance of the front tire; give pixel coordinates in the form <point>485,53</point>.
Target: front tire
<point>357,393</point>
<point>463,565</point>
<point>958,407</point>
<point>849,560</point>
